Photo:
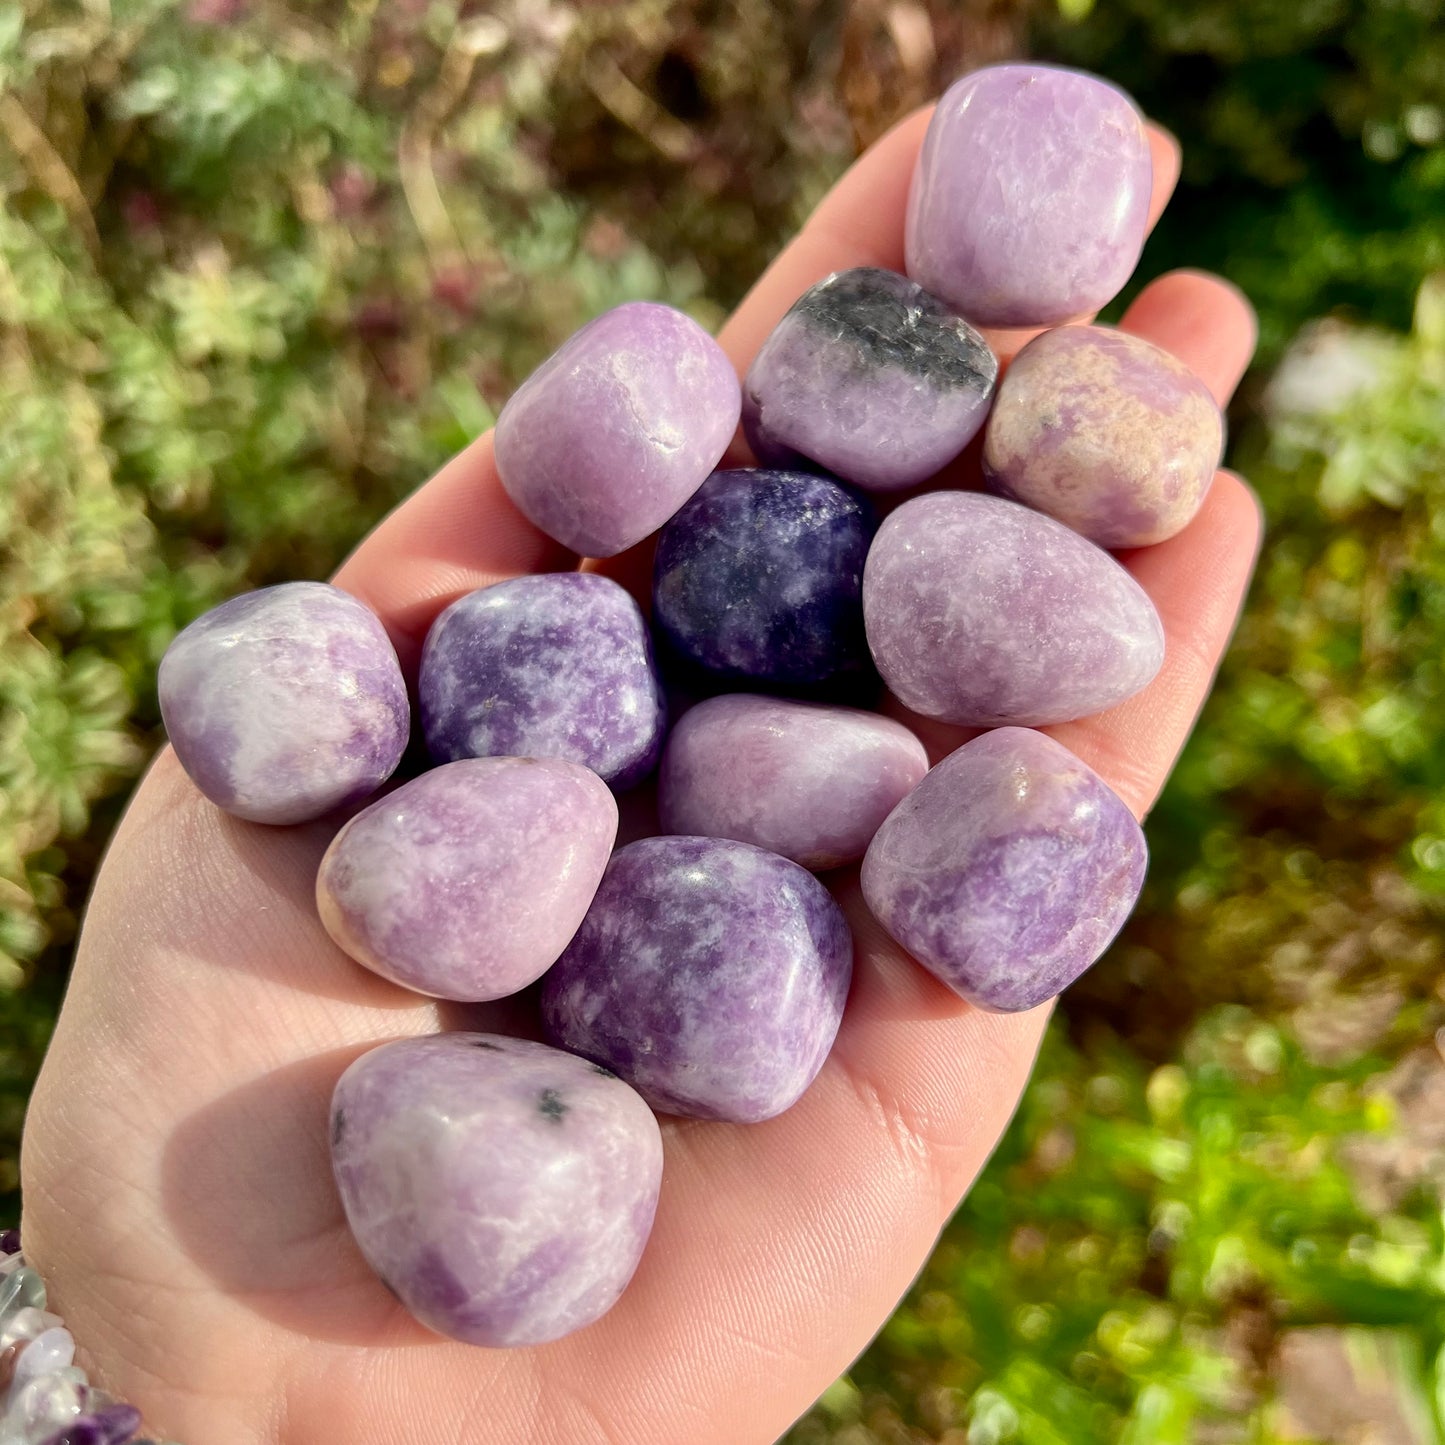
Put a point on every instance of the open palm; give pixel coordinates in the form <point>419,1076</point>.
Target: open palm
<point>178,1193</point>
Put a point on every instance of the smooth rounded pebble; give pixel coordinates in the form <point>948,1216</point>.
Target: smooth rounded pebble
<point>1105,431</point>
<point>871,378</point>
<point>555,666</point>
<point>503,1190</point>
<point>612,434</point>
<point>1008,870</point>
<point>1030,199</point>
<point>710,974</point>
<point>759,578</point>
<point>808,781</point>
<point>469,881</point>
<point>285,703</point>
<point>982,612</point>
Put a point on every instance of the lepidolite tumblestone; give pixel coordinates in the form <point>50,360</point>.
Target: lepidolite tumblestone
<point>1030,199</point>
<point>983,612</point>
<point>503,1190</point>
<point>555,666</point>
<point>1008,870</point>
<point>802,779</point>
<point>1105,431</point>
<point>710,974</point>
<point>612,434</point>
<point>467,882</point>
<point>759,577</point>
<point>871,378</point>
<point>285,703</point>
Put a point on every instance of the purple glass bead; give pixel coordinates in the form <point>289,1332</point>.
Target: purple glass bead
<point>1030,200</point>
<point>807,781</point>
<point>983,612</point>
<point>286,703</point>
<point>612,434</point>
<point>871,378</point>
<point>469,881</point>
<point>1008,870</point>
<point>503,1190</point>
<point>9,1241</point>
<point>759,577</point>
<point>710,974</point>
<point>556,666</point>
<point>1105,431</point>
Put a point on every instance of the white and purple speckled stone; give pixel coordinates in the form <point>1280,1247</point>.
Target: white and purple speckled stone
<point>612,434</point>
<point>1008,870</point>
<point>1105,431</point>
<point>285,703</point>
<point>871,378</point>
<point>805,780</point>
<point>710,974</point>
<point>983,612</point>
<point>555,666</point>
<point>1030,199</point>
<point>502,1190</point>
<point>468,882</point>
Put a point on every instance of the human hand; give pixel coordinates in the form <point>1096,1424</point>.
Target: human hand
<point>178,1192</point>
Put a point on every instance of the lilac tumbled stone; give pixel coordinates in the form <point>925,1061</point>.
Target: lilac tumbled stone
<point>1105,431</point>
<point>467,882</point>
<point>807,781</point>
<point>556,666</point>
<point>285,703</point>
<point>710,974</point>
<point>503,1190</point>
<point>1008,870</point>
<point>870,377</point>
<point>612,434</point>
<point>983,612</point>
<point>1030,199</point>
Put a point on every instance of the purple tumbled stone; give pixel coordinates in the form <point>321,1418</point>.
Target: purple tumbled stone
<point>871,378</point>
<point>469,881</point>
<point>9,1241</point>
<point>556,666</point>
<point>1105,431</point>
<point>612,434</point>
<point>1030,199</point>
<point>710,974</point>
<point>807,781</point>
<point>982,612</point>
<point>503,1190</point>
<point>285,703</point>
<point>1008,870</point>
<point>114,1425</point>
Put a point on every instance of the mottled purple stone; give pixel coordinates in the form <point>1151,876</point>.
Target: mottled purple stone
<point>556,666</point>
<point>469,881</point>
<point>286,703</point>
<point>759,577</point>
<point>1105,431</point>
<point>982,612</point>
<point>503,1190</point>
<point>1030,200</point>
<point>808,781</point>
<point>1008,870</point>
<point>871,378</point>
<point>612,434</point>
<point>710,974</point>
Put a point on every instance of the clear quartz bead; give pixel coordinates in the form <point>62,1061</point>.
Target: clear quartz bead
<point>49,1351</point>
<point>24,1325</point>
<point>19,1289</point>
<point>10,1263</point>
<point>46,1403</point>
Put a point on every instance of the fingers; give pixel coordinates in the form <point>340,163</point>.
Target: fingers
<point>1203,320</point>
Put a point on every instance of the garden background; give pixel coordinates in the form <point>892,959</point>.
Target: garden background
<point>264,265</point>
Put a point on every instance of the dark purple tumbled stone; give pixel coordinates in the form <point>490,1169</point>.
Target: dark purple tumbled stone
<point>709,974</point>
<point>1008,870</point>
<point>759,577</point>
<point>556,666</point>
<point>9,1241</point>
<point>871,378</point>
<point>113,1425</point>
<point>285,703</point>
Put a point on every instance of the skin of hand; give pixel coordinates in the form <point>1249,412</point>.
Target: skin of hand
<point>178,1192</point>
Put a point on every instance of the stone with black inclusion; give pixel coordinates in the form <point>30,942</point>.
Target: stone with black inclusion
<point>759,579</point>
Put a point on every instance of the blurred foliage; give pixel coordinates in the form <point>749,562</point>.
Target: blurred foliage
<point>264,265</point>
